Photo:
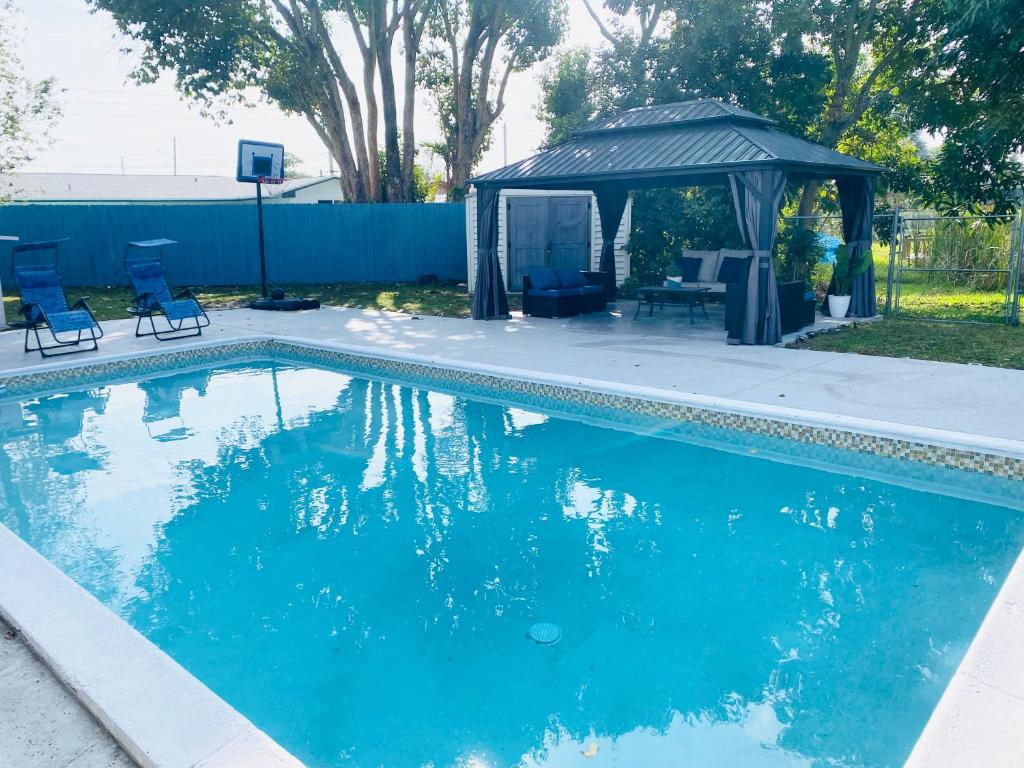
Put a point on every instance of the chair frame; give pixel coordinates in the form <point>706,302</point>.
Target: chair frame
<point>180,329</point>
<point>69,346</point>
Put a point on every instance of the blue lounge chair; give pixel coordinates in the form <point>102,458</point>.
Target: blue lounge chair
<point>44,305</point>
<point>182,311</point>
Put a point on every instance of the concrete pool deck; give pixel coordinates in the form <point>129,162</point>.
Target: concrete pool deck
<point>664,352</point>
<point>982,710</point>
<point>42,725</point>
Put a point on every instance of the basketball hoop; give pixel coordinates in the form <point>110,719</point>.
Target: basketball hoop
<point>270,180</point>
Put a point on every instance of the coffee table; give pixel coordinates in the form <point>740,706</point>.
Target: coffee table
<point>679,297</point>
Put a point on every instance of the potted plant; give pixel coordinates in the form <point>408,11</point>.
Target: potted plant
<point>844,273</point>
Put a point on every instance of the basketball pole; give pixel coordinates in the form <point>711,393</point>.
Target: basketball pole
<point>263,252</point>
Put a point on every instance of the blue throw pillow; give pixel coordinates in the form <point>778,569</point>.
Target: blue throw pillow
<point>543,279</point>
<point>689,267</point>
<point>570,277</point>
<point>732,270</point>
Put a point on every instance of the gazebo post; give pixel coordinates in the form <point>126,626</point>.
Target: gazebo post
<point>857,205</point>
<point>489,297</point>
<point>757,196</point>
<point>611,204</point>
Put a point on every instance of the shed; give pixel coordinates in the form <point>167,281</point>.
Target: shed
<point>555,228</point>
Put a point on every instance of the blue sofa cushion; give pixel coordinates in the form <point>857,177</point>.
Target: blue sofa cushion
<point>689,267</point>
<point>570,277</point>
<point>553,293</point>
<point>732,270</point>
<point>543,279</point>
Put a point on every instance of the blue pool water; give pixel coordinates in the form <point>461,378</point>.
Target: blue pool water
<point>356,566</point>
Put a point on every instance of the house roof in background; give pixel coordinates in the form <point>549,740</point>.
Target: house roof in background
<point>697,141</point>
<point>107,187</point>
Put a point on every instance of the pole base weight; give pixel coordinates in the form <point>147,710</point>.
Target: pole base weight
<point>286,304</point>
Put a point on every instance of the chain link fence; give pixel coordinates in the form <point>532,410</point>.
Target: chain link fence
<point>952,268</point>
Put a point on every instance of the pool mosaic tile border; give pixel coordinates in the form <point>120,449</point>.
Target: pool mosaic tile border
<point>577,400</point>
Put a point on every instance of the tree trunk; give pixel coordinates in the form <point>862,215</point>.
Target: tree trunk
<point>411,33</point>
<point>392,154</point>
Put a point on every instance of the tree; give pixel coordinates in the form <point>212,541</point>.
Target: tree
<point>971,92</point>
<point>27,109</point>
<point>477,46</point>
<point>827,71</point>
<point>287,51</point>
<point>566,95</point>
<point>293,166</point>
<point>873,47</point>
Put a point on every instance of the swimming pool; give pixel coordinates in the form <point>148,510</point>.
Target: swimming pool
<point>355,565</point>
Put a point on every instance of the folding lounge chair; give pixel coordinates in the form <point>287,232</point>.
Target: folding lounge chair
<point>45,306</point>
<point>182,311</point>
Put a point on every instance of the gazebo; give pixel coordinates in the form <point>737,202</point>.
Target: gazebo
<point>688,144</point>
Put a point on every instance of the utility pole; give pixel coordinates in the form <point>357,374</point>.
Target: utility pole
<point>174,153</point>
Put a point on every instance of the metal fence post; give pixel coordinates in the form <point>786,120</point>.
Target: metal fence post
<point>1016,266</point>
<point>892,260</point>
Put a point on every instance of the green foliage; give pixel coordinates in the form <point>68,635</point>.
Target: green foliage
<point>846,270</point>
<point>957,245</point>
<point>798,252</point>
<point>971,88</point>
<point>423,185</point>
<point>863,77</point>
<point>566,104</point>
<point>474,47</point>
<point>27,109</point>
<point>667,221</point>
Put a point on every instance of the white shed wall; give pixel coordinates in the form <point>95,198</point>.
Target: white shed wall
<point>625,226</point>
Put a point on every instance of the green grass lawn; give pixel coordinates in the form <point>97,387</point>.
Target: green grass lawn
<point>935,296</point>
<point>446,299</point>
<point>996,345</point>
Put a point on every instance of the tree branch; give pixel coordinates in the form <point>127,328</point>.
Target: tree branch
<point>605,32</point>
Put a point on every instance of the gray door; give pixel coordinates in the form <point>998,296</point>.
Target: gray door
<point>570,232</point>
<point>527,237</point>
<point>547,232</point>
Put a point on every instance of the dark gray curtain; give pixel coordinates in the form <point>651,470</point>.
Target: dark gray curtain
<point>857,201</point>
<point>757,195</point>
<point>611,203</point>
<point>489,299</point>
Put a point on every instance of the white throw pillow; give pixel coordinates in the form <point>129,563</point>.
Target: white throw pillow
<point>708,264</point>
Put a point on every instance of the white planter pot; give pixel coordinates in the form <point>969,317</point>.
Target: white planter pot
<point>838,306</point>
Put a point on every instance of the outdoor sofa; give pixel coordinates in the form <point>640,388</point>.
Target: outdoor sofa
<point>724,272</point>
<point>563,292</point>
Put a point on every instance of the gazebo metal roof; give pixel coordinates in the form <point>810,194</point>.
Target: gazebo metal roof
<point>692,142</point>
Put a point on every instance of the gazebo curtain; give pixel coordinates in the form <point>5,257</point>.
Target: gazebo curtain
<point>611,203</point>
<point>757,195</point>
<point>857,201</point>
<point>489,298</point>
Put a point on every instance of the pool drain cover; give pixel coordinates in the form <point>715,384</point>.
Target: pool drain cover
<point>545,633</point>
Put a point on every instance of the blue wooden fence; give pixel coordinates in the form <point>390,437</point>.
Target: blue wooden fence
<point>217,244</point>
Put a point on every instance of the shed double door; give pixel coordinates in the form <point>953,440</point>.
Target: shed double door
<point>547,232</point>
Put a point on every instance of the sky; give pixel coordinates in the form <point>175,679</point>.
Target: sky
<point>110,124</point>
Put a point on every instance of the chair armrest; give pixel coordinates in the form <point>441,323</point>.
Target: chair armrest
<point>185,294</point>
<point>594,277</point>
<point>527,284</point>
<point>83,302</point>
<point>26,308</point>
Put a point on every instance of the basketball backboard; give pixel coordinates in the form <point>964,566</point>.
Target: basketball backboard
<point>259,159</point>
